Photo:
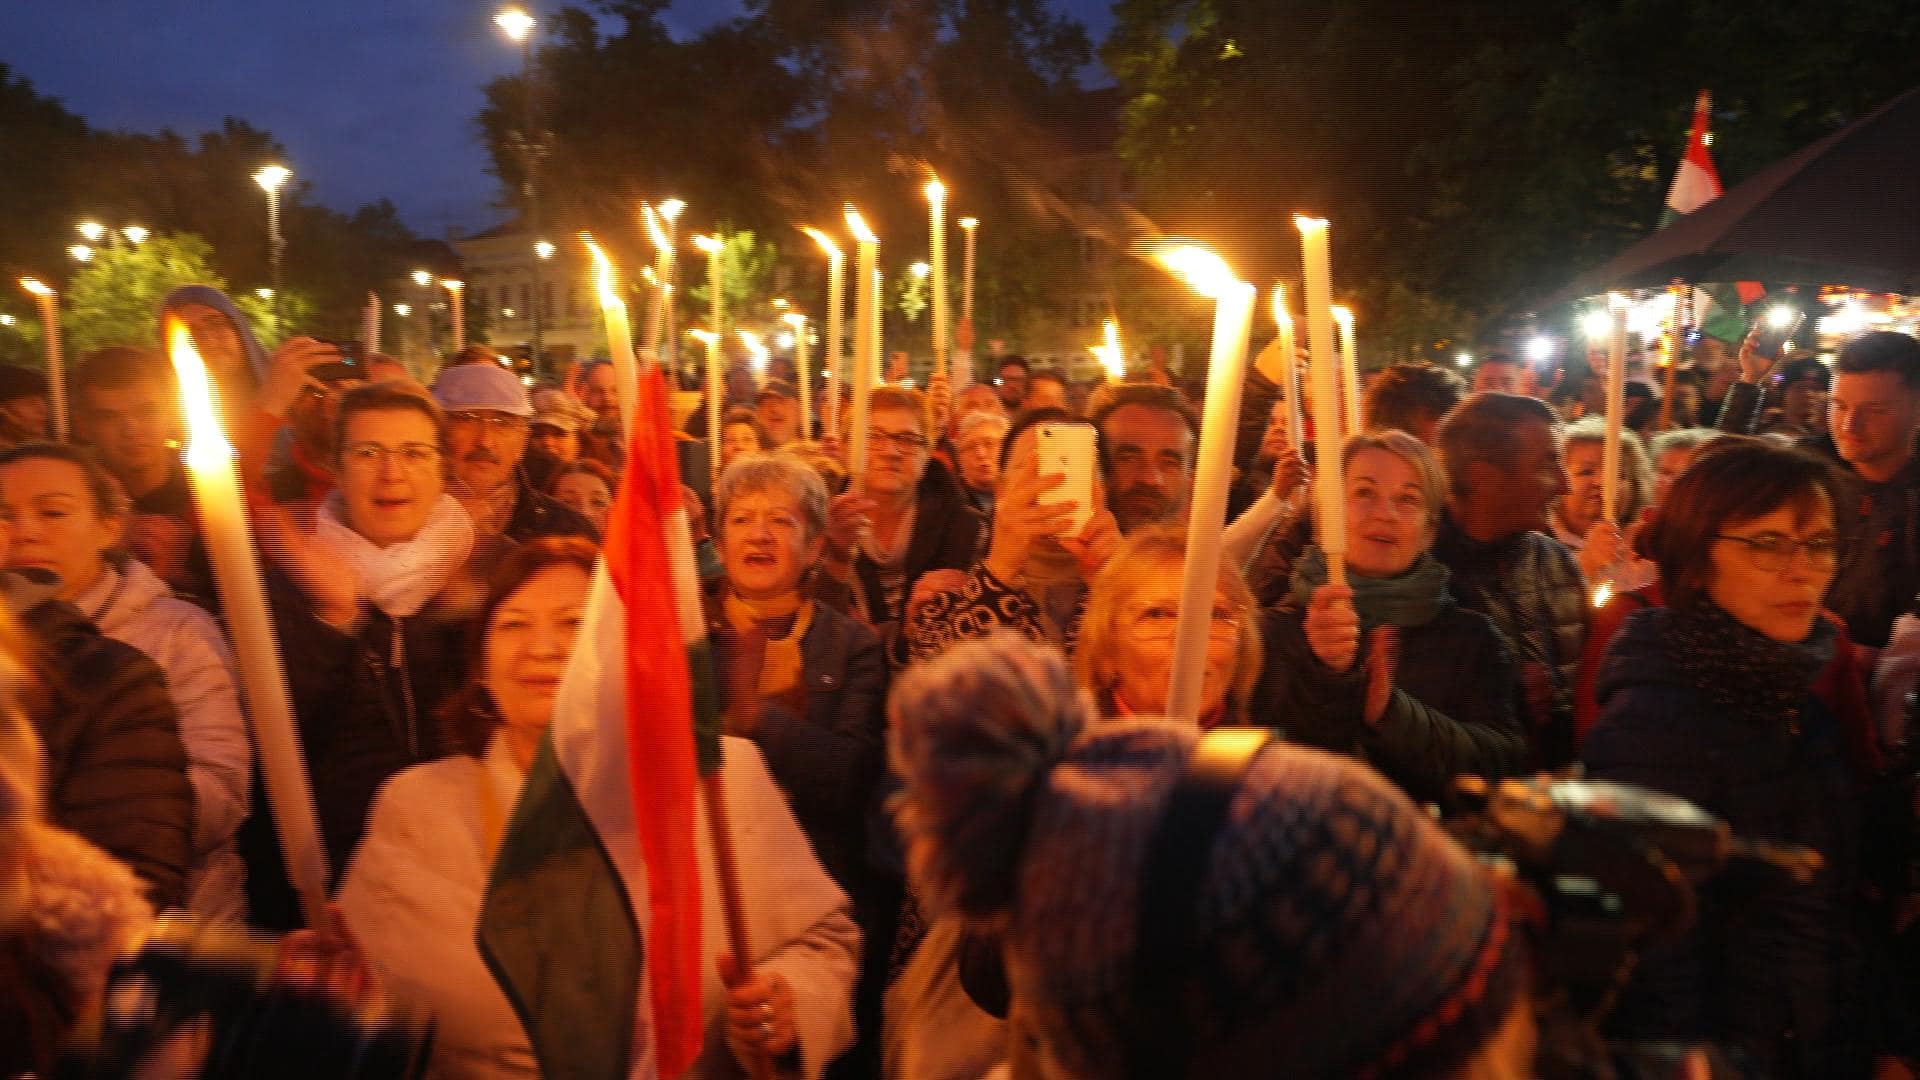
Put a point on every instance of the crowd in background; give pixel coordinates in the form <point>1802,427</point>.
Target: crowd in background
<point>428,552</point>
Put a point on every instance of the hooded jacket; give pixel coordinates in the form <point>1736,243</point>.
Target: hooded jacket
<point>116,767</point>
<point>130,604</point>
<point>946,536</point>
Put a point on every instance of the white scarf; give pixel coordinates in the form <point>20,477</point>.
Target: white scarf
<point>400,578</point>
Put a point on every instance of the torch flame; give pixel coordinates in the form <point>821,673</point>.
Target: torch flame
<point>1602,593</point>
<point>1110,353</point>
<point>794,319</point>
<point>936,191</point>
<point>826,242</point>
<point>1309,224</point>
<point>1343,315</point>
<point>1207,273</point>
<point>452,285</point>
<point>968,223</point>
<point>603,279</point>
<point>35,286</point>
<point>654,231</point>
<point>704,337</point>
<point>671,209</point>
<point>756,349</point>
<point>207,445</point>
<point>1281,316</point>
<point>709,244</point>
<point>858,226</point>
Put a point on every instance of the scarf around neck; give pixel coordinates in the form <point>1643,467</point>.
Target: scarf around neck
<point>1414,598</point>
<point>400,578</point>
<point>1742,670</point>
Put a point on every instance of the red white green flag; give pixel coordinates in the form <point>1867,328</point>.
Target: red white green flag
<point>591,923</point>
<point>1696,182</point>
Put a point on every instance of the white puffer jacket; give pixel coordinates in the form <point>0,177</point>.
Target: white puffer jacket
<point>131,604</point>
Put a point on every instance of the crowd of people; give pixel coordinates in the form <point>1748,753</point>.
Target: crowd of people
<point>941,684</point>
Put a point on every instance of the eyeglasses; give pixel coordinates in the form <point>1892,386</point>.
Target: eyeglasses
<point>497,423</point>
<point>370,456</point>
<point>906,442</point>
<point>1156,622</point>
<point>1773,552</point>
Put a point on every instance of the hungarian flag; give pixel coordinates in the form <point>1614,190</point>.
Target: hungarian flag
<point>591,922</point>
<point>1697,182</point>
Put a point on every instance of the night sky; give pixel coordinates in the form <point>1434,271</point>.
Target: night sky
<point>371,98</point>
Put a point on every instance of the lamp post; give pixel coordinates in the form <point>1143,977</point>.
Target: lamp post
<point>271,178</point>
<point>531,144</point>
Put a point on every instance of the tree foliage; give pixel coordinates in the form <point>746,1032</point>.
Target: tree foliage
<point>1472,155</point>
<point>60,171</point>
<point>802,107</point>
<point>115,298</point>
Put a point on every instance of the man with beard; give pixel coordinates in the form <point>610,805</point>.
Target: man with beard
<point>487,414</point>
<point>1504,472</point>
<point>599,392</point>
<point>1147,438</point>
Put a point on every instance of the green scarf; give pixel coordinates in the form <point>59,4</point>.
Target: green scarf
<point>1414,598</point>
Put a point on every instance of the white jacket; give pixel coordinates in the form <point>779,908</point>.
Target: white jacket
<point>412,898</point>
<point>129,603</point>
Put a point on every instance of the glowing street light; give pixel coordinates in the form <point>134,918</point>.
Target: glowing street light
<point>264,294</point>
<point>403,310</point>
<point>515,23</point>
<point>422,278</point>
<point>1540,348</point>
<point>135,234</point>
<point>1597,324</point>
<point>543,249</point>
<point>271,178</point>
<point>1463,359</point>
<point>920,270</point>
<point>80,252</point>
<point>92,231</point>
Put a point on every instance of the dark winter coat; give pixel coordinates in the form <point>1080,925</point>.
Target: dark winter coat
<point>365,702</point>
<point>1450,713</point>
<point>537,514</point>
<point>116,768</point>
<point>1529,586</point>
<point>828,759</point>
<point>1769,966</point>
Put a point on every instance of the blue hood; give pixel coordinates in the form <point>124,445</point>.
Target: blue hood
<point>208,296</point>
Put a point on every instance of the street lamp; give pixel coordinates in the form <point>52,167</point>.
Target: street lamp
<point>92,231</point>
<point>518,26</point>
<point>270,178</point>
<point>80,252</point>
<point>422,278</point>
<point>135,234</point>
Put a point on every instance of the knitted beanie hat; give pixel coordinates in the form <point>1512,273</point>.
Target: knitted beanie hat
<point>1337,931</point>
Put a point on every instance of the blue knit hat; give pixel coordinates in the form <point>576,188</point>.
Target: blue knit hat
<point>1338,931</point>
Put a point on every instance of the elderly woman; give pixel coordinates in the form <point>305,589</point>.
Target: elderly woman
<point>1711,699</point>
<point>1446,705</point>
<point>1574,517</point>
<point>412,896</point>
<point>805,682</point>
<point>68,517</point>
<point>1126,638</point>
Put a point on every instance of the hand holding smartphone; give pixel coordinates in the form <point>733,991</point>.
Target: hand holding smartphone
<point>1068,449</point>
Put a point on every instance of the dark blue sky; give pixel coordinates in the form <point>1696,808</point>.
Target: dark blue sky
<point>371,98</point>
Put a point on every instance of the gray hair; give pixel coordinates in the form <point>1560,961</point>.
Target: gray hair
<point>1636,471</point>
<point>773,471</point>
<point>981,418</point>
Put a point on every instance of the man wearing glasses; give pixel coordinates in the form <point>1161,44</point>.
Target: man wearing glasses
<point>909,518</point>
<point>488,415</point>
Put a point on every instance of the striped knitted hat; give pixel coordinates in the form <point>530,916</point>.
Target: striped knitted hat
<point>1339,932</point>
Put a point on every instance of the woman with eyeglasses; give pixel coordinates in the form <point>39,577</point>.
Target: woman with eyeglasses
<point>1125,655</point>
<point>1711,698</point>
<point>1387,667</point>
<point>373,605</point>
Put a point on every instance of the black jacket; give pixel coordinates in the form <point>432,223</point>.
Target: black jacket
<point>116,768</point>
<point>1450,713</point>
<point>537,514</point>
<point>1767,956</point>
<point>365,702</point>
<point>1529,586</point>
<point>947,535</point>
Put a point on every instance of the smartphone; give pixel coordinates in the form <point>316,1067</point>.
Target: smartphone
<point>351,365</point>
<point>1068,449</point>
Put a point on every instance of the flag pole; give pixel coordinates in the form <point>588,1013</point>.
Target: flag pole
<point>686,590</point>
